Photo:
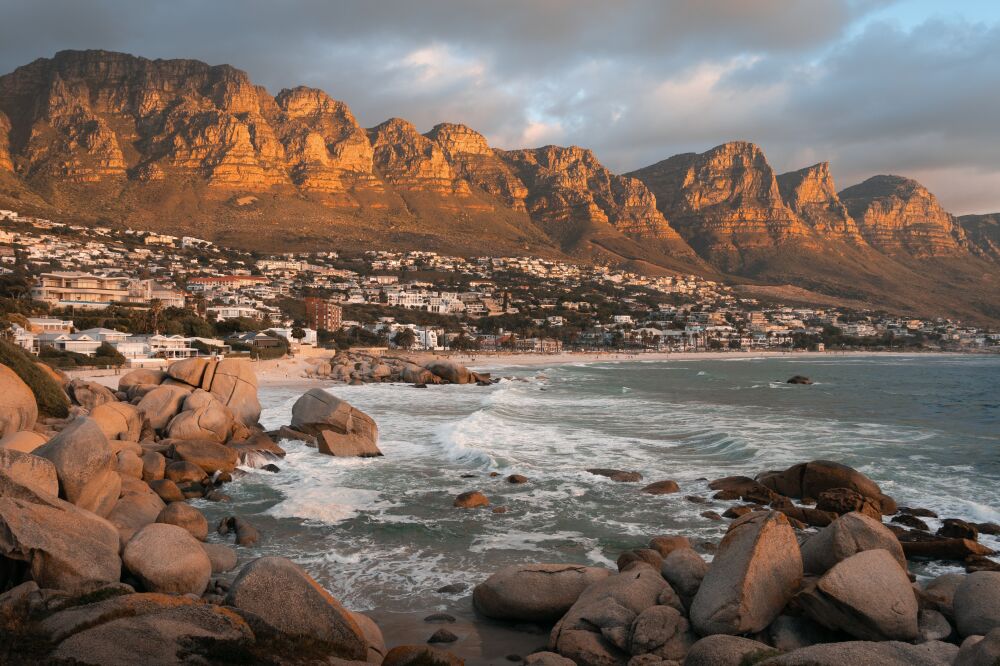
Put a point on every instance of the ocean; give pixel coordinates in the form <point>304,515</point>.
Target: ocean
<point>381,533</point>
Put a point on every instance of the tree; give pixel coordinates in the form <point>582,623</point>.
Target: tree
<point>298,333</point>
<point>405,338</point>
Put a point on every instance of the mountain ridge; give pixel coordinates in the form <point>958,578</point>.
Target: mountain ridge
<point>182,146</point>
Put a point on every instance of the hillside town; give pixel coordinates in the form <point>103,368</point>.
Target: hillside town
<point>75,291</point>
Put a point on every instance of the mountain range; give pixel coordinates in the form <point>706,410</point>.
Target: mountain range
<point>182,147</point>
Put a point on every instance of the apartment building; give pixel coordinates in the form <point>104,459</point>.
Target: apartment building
<point>80,290</point>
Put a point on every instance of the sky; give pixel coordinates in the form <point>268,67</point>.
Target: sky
<point>910,87</point>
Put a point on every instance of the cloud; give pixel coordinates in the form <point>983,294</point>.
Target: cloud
<point>871,85</point>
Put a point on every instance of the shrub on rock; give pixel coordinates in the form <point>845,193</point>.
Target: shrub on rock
<point>50,399</point>
<point>756,571</point>
<point>166,558</point>
<point>534,592</point>
<point>305,608</point>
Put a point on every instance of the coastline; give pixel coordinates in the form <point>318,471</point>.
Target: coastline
<point>290,372</point>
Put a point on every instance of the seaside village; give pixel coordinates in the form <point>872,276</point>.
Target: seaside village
<point>121,541</point>
<point>72,291</point>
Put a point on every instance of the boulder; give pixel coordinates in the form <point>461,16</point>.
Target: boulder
<point>167,490</point>
<point>210,456</point>
<point>534,592</point>
<point>18,410</point>
<point>129,464</point>
<point>166,558</point>
<point>65,548</point>
<point>420,655</point>
<point>373,636</point>
<point>596,628</point>
<point>684,569</point>
<point>88,472</point>
<point>933,626</point>
<point>639,556</point>
<point>940,593</point>
<point>791,632</point>
<point>305,608</point>
<point>868,595</point>
<point>798,379</point>
<point>661,631</point>
<point>743,488</point>
<point>118,420</point>
<point>921,544</point>
<point>246,534</point>
<point>846,536</point>
<point>36,474</point>
<point>340,428</point>
<point>661,488</point>
<point>954,528</point>
<point>186,516</point>
<point>665,545</point>
<point>977,603</point>
<point>257,449</point>
<point>235,385</point>
<point>161,404</point>
<point>547,659</point>
<point>723,650</point>
<point>203,417</point>
<point>621,476</point>
<point>192,371</point>
<point>863,653</point>
<point>977,651</point>
<point>845,500</point>
<point>24,441</point>
<point>89,395</point>
<point>451,372</point>
<point>222,557</point>
<point>471,500</point>
<point>154,630</point>
<point>133,512</point>
<point>140,376</point>
<point>808,480</point>
<point>153,466</point>
<point>183,471</point>
<point>756,571</point>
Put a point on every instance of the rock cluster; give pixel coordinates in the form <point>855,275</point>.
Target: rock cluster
<point>102,561</point>
<point>360,368</point>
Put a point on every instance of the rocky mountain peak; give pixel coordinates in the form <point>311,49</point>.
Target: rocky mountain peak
<point>899,215</point>
<point>457,139</point>
<point>811,194</point>
<point>408,159</point>
<point>303,102</point>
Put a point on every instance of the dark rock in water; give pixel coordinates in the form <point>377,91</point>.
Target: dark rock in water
<point>975,563</point>
<point>665,487</point>
<point>988,528</point>
<point>442,636</point>
<point>808,480</point>
<point>440,617</point>
<point>493,475</point>
<point>452,588</point>
<point>216,496</point>
<point>922,544</point>
<point>910,521</point>
<point>469,476</point>
<point>246,534</point>
<point>953,528</point>
<point>270,467</point>
<point>711,515</point>
<point>618,475</point>
<point>695,499</point>
<point>845,500</point>
<point>471,500</point>
<point>744,488</point>
<point>799,379</point>
<point>737,511</point>
<point>517,478</point>
<point>420,655</point>
<point>917,511</point>
<point>500,509</point>
<point>419,385</point>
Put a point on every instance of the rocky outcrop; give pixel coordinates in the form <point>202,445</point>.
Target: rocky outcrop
<point>983,234</point>
<point>810,193</point>
<point>899,216</point>
<point>339,428</point>
<point>410,161</point>
<point>473,160</point>
<point>6,162</point>
<point>724,202</point>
